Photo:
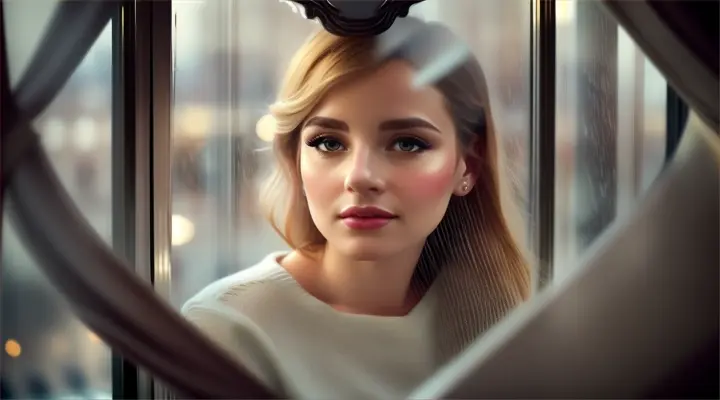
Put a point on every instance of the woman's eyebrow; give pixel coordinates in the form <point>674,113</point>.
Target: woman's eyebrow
<point>327,123</point>
<point>407,123</point>
<point>389,125</point>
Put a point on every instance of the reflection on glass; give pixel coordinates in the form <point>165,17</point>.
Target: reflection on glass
<point>47,351</point>
<point>229,57</point>
<point>610,127</point>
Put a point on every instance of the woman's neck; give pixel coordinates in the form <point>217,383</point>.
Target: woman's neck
<point>377,287</point>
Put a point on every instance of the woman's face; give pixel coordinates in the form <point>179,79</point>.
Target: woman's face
<point>379,161</point>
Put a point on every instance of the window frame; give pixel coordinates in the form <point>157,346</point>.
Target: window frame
<point>125,145</point>
<point>142,79</point>
<point>143,174</point>
<point>542,138</point>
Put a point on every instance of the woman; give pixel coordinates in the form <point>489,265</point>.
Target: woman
<point>388,191</point>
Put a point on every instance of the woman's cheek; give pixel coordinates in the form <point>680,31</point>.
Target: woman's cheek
<point>434,179</point>
<point>317,182</point>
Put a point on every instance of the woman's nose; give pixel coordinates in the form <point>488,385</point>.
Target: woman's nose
<point>364,173</point>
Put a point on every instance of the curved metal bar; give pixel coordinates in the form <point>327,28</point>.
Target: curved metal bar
<point>81,23</point>
<point>110,299</point>
<point>693,76</point>
<point>106,295</point>
<point>74,28</point>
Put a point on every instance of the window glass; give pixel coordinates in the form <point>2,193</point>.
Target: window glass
<point>47,352</point>
<point>610,127</point>
<point>229,58</point>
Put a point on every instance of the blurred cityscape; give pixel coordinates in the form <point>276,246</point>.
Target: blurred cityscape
<point>228,58</point>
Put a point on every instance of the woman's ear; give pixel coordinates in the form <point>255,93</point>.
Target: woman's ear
<point>473,165</point>
<point>466,183</point>
<point>468,172</point>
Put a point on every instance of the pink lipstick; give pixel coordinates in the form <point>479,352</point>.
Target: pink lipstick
<point>366,218</point>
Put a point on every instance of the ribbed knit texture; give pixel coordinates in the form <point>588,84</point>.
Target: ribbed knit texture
<point>303,348</point>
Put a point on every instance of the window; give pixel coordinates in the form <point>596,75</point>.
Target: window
<point>610,127</point>
<point>229,58</point>
<point>47,351</point>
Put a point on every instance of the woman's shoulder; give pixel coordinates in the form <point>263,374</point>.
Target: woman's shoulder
<point>230,312</point>
<point>240,290</point>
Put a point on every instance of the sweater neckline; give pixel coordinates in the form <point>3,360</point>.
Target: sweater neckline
<point>421,310</point>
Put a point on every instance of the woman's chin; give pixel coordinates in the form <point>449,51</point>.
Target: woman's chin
<point>366,249</point>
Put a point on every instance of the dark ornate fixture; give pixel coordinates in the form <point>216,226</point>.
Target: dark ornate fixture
<point>356,17</point>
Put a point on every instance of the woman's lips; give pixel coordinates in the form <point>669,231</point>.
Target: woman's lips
<point>366,217</point>
<point>366,223</point>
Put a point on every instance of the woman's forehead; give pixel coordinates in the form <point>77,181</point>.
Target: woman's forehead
<point>385,92</point>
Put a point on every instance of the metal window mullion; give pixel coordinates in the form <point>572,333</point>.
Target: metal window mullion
<point>138,67</point>
<point>125,375</point>
<point>160,150</point>
<point>161,142</point>
<point>542,138</point>
<point>143,114</point>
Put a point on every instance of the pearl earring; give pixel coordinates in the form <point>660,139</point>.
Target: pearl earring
<point>465,186</point>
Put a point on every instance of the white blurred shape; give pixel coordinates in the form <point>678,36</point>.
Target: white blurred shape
<point>54,134</point>
<point>86,136</point>
<point>265,128</point>
<point>183,230</point>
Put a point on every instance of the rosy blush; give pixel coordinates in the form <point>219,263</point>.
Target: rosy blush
<point>434,180</point>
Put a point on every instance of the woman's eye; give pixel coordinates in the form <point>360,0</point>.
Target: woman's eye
<point>328,145</point>
<point>410,145</point>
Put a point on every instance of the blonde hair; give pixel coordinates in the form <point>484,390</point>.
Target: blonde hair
<point>478,246</point>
